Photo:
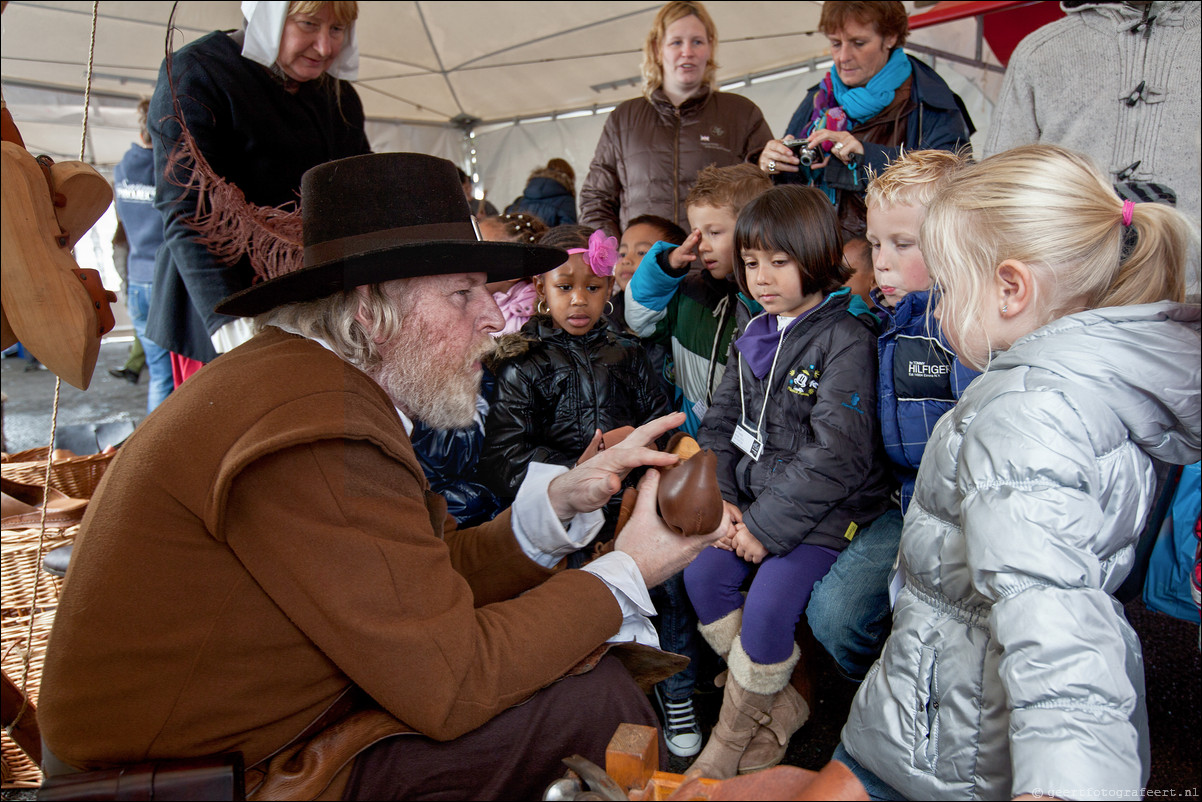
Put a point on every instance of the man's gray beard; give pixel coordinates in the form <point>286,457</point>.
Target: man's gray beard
<point>428,387</point>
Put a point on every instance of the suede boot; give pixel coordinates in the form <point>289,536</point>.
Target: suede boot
<point>722,633</point>
<point>751,689</point>
<point>790,710</point>
<point>788,713</point>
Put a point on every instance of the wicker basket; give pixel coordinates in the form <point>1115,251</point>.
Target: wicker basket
<point>77,477</point>
<point>21,555</point>
<point>21,566</point>
<point>15,643</point>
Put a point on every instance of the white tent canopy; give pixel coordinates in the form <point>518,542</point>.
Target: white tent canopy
<point>530,80</point>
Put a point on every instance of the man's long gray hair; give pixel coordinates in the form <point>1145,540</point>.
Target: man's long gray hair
<point>434,386</point>
<point>332,320</point>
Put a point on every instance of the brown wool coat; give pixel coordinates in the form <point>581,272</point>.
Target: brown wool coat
<point>266,539</point>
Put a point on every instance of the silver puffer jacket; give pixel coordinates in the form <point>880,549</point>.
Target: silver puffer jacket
<point>1011,668</point>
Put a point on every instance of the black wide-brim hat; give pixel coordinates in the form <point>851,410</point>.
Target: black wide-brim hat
<point>384,216</point>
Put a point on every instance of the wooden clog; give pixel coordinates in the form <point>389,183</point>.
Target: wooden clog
<point>690,501</point>
<point>85,195</point>
<point>44,295</point>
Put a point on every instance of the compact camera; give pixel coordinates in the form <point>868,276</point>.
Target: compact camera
<point>806,154</point>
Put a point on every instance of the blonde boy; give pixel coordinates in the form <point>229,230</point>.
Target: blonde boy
<point>897,203</point>
<point>919,379</point>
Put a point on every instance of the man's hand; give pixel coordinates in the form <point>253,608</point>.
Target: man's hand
<point>685,254</point>
<point>591,484</point>
<point>736,519</point>
<point>659,552</point>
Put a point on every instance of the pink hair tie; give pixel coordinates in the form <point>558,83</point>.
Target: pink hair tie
<point>601,254</point>
<point>1128,211</point>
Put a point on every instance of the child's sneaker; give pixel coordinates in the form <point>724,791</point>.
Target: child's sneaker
<point>681,730</point>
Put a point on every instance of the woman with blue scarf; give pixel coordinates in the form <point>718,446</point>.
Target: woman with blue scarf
<point>875,101</point>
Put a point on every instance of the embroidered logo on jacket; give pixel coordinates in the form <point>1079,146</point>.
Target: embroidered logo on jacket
<point>854,404</point>
<point>803,382</point>
<point>714,139</point>
<point>922,369</point>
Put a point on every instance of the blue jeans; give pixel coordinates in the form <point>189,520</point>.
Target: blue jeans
<point>849,608</point>
<point>158,360</point>
<point>878,790</point>
<point>677,626</point>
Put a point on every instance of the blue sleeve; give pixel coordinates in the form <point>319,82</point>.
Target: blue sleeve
<point>650,291</point>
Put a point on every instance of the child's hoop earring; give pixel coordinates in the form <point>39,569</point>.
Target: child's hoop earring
<point>542,308</point>
<point>609,307</point>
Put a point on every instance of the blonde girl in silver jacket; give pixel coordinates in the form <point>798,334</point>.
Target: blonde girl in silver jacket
<point>1011,669</point>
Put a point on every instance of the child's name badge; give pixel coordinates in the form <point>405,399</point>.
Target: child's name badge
<point>746,441</point>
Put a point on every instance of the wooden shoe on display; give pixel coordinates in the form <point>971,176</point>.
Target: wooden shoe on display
<point>690,501</point>
<point>22,506</point>
<point>56,310</point>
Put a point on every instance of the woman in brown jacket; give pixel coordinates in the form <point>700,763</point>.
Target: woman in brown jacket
<point>652,147</point>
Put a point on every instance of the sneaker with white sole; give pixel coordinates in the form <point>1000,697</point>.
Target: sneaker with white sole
<point>682,732</point>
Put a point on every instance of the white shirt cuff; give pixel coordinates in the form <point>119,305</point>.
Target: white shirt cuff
<point>621,575</point>
<point>536,526</point>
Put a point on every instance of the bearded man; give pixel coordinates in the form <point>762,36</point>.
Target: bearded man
<point>265,571</point>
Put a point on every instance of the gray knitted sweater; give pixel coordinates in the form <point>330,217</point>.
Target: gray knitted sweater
<point>1105,82</point>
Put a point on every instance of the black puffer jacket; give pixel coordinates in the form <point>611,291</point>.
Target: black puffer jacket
<point>822,468</point>
<point>554,390</point>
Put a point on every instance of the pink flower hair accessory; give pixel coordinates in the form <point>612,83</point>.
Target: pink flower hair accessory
<point>601,254</point>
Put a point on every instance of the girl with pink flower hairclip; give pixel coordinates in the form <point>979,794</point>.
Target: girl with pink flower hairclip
<point>567,373</point>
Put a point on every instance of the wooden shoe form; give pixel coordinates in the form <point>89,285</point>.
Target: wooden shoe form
<point>690,501</point>
<point>45,299</point>
<point>85,197</point>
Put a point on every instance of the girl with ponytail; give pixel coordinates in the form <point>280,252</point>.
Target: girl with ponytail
<point>1011,669</point>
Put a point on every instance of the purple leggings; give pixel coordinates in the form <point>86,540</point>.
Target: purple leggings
<point>777,597</point>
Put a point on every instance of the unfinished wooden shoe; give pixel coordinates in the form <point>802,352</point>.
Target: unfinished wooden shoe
<point>56,310</point>
<point>690,501</point>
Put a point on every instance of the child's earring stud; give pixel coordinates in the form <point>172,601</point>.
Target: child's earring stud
<point>1005,308</point>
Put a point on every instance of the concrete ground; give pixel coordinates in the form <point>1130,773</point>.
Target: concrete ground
<point>1171,647</point>
<point>30,398</point>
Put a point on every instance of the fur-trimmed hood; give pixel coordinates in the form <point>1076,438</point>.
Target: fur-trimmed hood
<point>558,176</point>
<point>506,347</point>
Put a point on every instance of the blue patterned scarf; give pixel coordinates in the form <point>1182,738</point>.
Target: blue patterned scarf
<point>862,103</point>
